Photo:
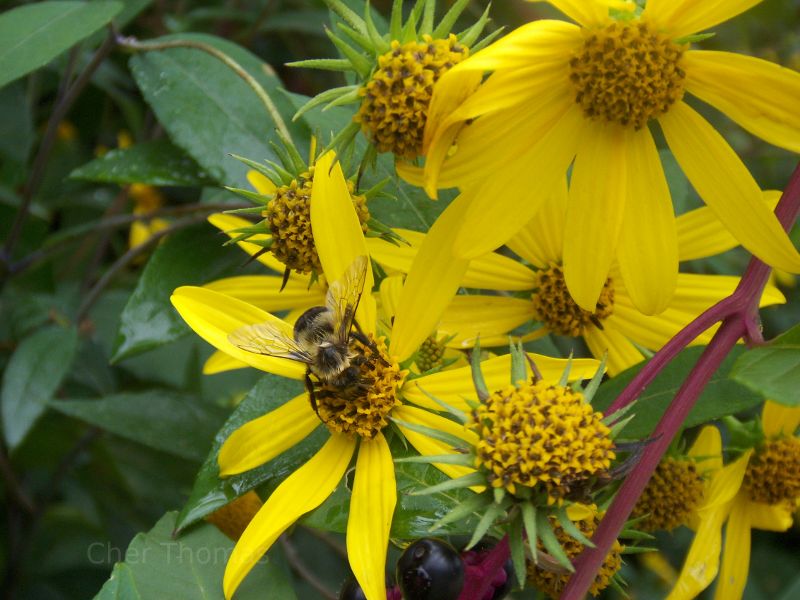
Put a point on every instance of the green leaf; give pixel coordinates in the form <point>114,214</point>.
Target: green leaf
<point>32,375</point>
<point>190,257</point>
<point>773,370</point>
<point>16,123</point>
<point>722,396</point>
<point>210,492</point>
<point>153,163</point>
<point>33,35</point>
<point>179,424</point>
<point>207,109</point>
<point>189,567</point>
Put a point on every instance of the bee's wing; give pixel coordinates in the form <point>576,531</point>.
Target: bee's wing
<point>344,295</point>
<point>269,339</point>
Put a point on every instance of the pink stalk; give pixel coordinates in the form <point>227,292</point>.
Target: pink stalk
<point>739,316</point>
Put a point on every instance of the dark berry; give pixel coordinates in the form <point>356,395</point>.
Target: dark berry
<point>430,569</point>
<point>351,591</point>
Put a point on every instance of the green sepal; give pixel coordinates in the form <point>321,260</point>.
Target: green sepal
<point>465,481</point>
<point>442,436</point>
<point>253,210</point>
<point>487,520</point>
<point>635,534</point>
<point>517,547</point>
<point>591,388</point>
<point>348,98</point>
<point>637,550</point>
<point>519,366</point>
<point>350,17</point>
<point>254,196</point>
<point>470,36</point>
<point>396,20</point>
<point>529,521</point>
<point>565,375</point>
<point>487,40</point>
<point>464,460</point>
<point>457,413</point>
<point>477,375</point>
<point>694,38</point>
<point>571,529</point>
<point>462,510</point>
<point>381,45</point>
<point>323,98</point>
<point>263,169</point>
<point>323,64</point>
<point>446,24</point>
<point>361,64</point>
<point>499,494</point>
<point>426,26</point>
<point>361,40</point>
<point>550,541</point>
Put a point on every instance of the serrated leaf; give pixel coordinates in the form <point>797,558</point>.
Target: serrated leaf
<point>178,424</point>
<point>33,374</point>
<point>207,109</point>
<point>33,35</point>
<point>158,566</point>
<point>153,163</point>
<point>190,257</point>
<point>722,396</point>
<point>773,370</point>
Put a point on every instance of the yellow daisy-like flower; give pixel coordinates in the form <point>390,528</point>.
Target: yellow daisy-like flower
<point>339,240</point>
<point>146,199</point>
<point>589,92</point>
<point>760,490</point>
<point>615,326</point>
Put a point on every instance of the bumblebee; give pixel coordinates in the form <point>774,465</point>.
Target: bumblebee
<point>321,336</point>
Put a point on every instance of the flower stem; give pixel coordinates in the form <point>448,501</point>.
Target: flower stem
<point>739,315</point>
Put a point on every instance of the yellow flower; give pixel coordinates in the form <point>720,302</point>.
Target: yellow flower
<point>339,240</point>
<point>559,92</point>
<point>615,326</point>
<point>760,490</point>
<point>146,199</point>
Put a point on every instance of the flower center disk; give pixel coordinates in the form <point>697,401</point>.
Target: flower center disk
<point>553,583</point>
<point>773,473</point>
<point>627,73</point>
<point>541,436</point>
<point>395,101</point>
<point>289,217</point>
<point>671,495</point>
<point>430,354</point>
<point>555,307</point>
<point>363,408</point>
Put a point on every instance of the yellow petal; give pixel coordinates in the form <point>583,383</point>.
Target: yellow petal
<point>471,317</point>
<point>431,283</point>
<point>264,291</point>
<point>391,289</point>
<point>505,203</point>
<point>707,450</point>
<point>213,316</point>
<point>684,17</point>
<point>428,446</point>
<point>759,95</point>
<point>371,509</point>
<point>736,558</point>
<point>702,234</point>
<point>648,247</point>
<point>597,198</point>
<point>303,491</point>
<point>583,12</point>
<point>264,438</point>
<point>337,232</point>
<point>770,517</point>
<point>702,561</point>
<point>139,234</point>
<point>261,183</point>
<point>779,419</point>
<point>725,184</point>
<point>453,385</point>
<point>227,223</point>
<point>541,241</point>
<point>622,354</point>
<point>219,362</point>
<point>724,485</point>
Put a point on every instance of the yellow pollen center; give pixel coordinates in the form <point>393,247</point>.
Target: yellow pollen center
<point>543,437</point>
<point>289,217</point>
<point>552,583</point>
<point>627,73</point>
<point>671,495</point>
<point>395,101</point>
<point>555,307</point>
<point>773,473</point>
<point>363,408</point>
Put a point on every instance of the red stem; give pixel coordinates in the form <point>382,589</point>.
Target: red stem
<point>739,315</point>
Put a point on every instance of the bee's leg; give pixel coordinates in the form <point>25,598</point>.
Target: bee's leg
<point>311,397</point>
<point>361,337</point>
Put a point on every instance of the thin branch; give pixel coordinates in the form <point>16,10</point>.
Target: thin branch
<point>126,259</point>
<point>13,485</point>
<point>303,571</point>
<point>60,111</point>
<point>132,43</point>
<point>740,318</point>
